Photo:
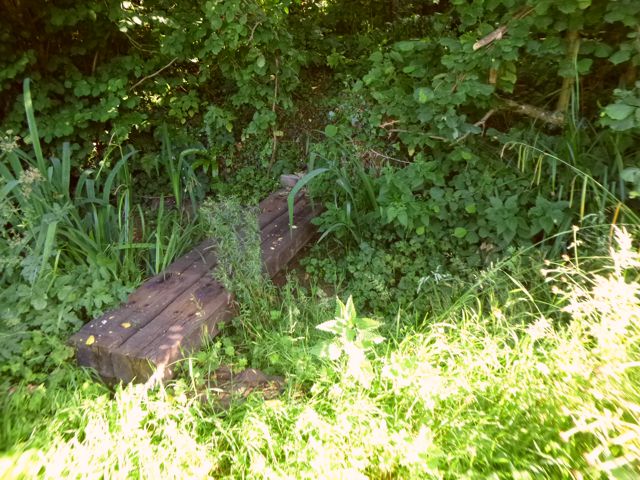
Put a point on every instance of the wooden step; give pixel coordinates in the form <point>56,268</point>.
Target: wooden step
<point>169,314</point>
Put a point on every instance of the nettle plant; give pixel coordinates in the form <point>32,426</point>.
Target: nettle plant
<point>354,338</point>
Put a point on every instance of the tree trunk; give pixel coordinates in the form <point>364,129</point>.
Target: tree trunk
<point>573,46</point>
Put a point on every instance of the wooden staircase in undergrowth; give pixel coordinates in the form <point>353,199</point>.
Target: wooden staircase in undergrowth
<point>167,317</point>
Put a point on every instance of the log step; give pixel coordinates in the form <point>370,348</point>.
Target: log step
<point>167,316</point>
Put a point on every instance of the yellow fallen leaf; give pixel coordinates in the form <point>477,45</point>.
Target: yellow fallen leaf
<point>91,340</point>
<point>125,325</point>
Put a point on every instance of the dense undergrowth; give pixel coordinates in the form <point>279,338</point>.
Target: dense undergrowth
<point>510,382</point>
<point>476,160</point>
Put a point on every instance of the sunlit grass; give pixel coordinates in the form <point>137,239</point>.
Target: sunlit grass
<point>513,382</point>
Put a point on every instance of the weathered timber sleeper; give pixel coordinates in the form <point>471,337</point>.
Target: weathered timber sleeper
<point>168,314</point>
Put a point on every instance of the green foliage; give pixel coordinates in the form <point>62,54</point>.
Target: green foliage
<point>442,214</point>
<point>436,189</point>
<point>505,381</point>
<point>114,70</point>
<point>439,85</point>
<point>421,106</point>
<point>624,113</point>
<point>71,246</point>
<point>237,239</point>
<point>354,338</point>
<point>36,318</point>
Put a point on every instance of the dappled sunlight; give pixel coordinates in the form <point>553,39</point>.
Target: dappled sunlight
<point>481,383</point>
<point>465,177</point>
<point>138,433</point>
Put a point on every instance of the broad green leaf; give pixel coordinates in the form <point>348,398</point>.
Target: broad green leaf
<point>368,339</point>
<point>460,232</point>
<point>330,326</point>
<point>330,131</point>
<point>328,350</point>
<point>584,65</point>
<point>423,95</point>
<point>631,174</point>
<point>466,154</point>
<point>376,57</point>
<point>620,56</point>
<point>566,7</point>
<point>39,303</point>
<point>618,111</point>
<point>403,218</point>
<point>365,323</point>
<point>405,46</point>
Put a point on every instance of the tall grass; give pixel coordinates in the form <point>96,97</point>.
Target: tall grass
<point>591,195</point>
<point>534,376</point>
<point>72,243</point>
<point>86,218</point>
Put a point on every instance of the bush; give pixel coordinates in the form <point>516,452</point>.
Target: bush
<point>116,70</point>
<point>70,248</point>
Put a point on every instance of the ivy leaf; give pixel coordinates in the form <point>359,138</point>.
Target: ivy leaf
<point>260,62</point>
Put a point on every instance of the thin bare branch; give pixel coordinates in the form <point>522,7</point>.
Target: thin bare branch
<point>499,32</point>
<point>144,79</point>
<point>479,123</point>
<point>253,30</point>
<point>388,123</point>
<point>273,109</point>
<point>553,118</point>
<point>386,157</point>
